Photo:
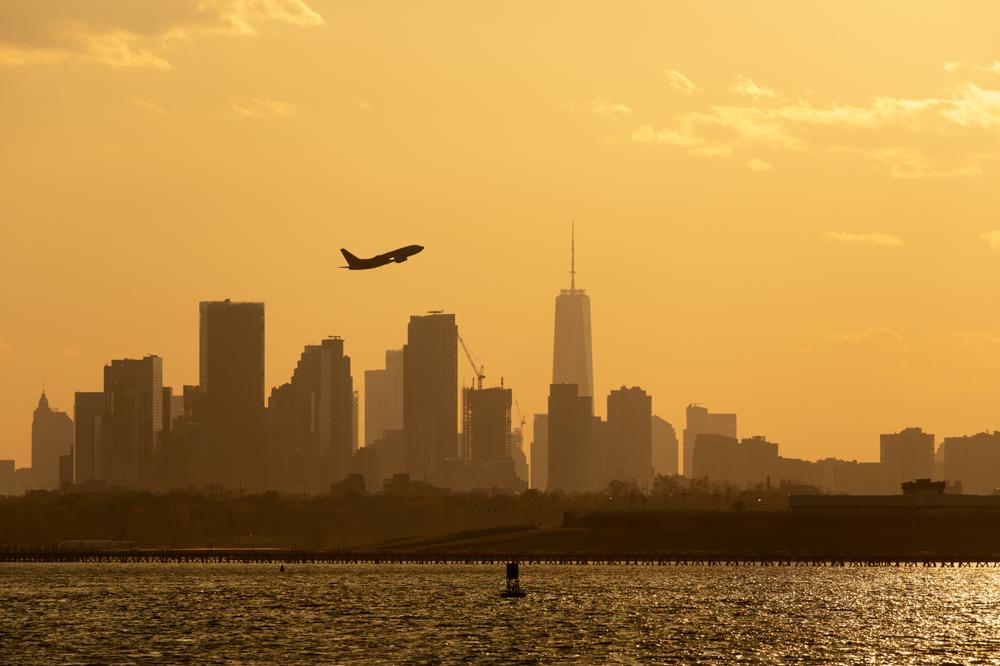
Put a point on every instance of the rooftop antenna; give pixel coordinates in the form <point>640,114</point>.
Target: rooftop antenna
<point>572,257</point>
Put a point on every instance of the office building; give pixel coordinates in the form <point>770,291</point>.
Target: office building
<point>539,467</point>
<point>664,443</point>
<point>973,462</point>
<point>430,394</point>
<point>570,440</point>
<point>311,420</point>
<point>51,437</point>
<point>384,397</point>
<point>714,457</point>
<point>702,422</point>
<point>132,420</point>
<point>88,413</point>
<point>905,456</point>
<point>231,376</point>
<point>628,451</point>
<point>572,357</point>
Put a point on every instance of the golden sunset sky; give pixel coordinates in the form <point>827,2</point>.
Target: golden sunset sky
<point>785,209</point>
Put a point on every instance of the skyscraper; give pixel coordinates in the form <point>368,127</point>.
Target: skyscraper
<point>430,394</point>
<point>231,377</point>
<point>572,361</point>
<point>665,452</point>
<point>973,461</point>
<point>539,467</point>
<point>384,397</point>
<point>905,456</point>
<point>312,419</point>
<point>571,431</point>
<point>702,422</point>
<point>51,437</point>
<point>486,431</point>
<point>88,411</point>
<point>132,420</point>
<point>628,448</point>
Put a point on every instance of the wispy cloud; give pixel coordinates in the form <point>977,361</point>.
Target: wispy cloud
<point>365,106</point>
<point>992,68</point>
<point>680,83</point>
<point>948,136</point>
<point>599,106</point>
<point>267,108</point>
<point>884,240</point>
<point>876,334</point>
<point>992,237</point>
<point>952,66</point>
<point>748,88</point>
<point>755,164</point>
<point>604,107</point>
<point>123,34</point>
<point>670,136</point>
<point>147,104</point>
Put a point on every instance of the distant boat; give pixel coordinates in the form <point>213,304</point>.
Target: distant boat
<point>513,590</point>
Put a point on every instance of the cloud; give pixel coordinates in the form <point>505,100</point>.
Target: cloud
<point>946,136</point>
<point>72,352</point>
<point>599,106</point>
<point>875,334</point>
<point>747,88</point>
<point>126,33</point>
<point>604,107</point>
<point>147,104</point>
<point>992,237</point>
<point>267,108</point>
<point>755,164</point>
<point>952,66</point>
<point>674,137</point>
<point>992,68</point>
<point>362,104</point>
<point>911,163</point>
<point>680,83</point>
<point>884,240</point>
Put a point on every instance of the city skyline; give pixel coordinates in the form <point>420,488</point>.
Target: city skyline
<point>448,332</point>
<point>843,254</point>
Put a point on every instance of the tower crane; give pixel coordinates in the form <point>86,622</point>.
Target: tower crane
<point>478,368</point>
<point>520,415</point>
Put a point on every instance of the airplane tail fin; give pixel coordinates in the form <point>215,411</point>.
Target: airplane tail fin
<point>352,261</point>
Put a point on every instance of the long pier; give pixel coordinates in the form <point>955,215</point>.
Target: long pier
<point>293,556</point>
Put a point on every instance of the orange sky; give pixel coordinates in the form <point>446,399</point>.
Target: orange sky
<point>783,209</point>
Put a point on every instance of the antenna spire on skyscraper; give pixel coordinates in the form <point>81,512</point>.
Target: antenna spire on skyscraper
<point>572,256</point>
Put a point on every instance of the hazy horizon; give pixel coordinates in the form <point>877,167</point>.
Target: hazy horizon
<point>782,211</point>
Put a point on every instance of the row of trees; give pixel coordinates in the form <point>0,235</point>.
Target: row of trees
<point>343,518</point>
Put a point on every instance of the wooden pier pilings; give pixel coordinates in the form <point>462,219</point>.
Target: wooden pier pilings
<point>293,556</point>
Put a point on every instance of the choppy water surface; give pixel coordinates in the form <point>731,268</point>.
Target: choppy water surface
<point>117,613</point>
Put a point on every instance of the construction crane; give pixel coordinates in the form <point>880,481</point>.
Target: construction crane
<point>478,368</point>
<point>520,414</point>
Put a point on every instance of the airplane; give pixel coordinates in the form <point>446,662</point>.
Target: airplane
<point>396,256</point>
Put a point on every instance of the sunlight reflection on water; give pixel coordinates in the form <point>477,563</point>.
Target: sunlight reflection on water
<point>159,613</point>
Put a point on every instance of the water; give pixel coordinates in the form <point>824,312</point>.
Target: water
<point>156,613</point>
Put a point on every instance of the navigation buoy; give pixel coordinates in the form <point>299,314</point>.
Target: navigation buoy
<point>513,589</point>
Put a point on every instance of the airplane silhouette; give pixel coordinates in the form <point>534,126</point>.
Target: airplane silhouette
<point>397,256</point>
